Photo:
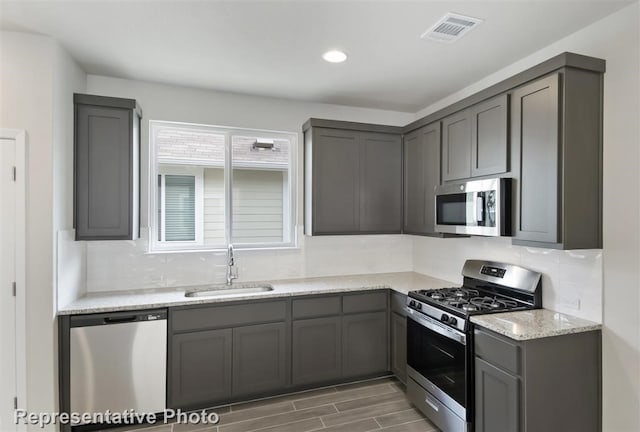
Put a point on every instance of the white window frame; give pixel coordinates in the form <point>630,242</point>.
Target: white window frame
<point>197,173</point>
<point>289,216</point>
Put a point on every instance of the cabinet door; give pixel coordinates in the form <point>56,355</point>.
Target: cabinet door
<point>104,174</point>
<point>260,360</point>
<point>336,181</point>
<point>200,370</point>
<point>534,117</point>
<point>381,183</point>
<point>399,346</point>
<point>489,136</point>
<point>365,345</point>
<point>497,399</point>
<point>456,146</point>
<point>421,176</point>
<point>317,350</point>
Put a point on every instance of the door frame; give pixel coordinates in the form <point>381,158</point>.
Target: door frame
<point>20,138</point>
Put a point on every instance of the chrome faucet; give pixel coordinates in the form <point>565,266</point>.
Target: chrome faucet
<point>232,270</point>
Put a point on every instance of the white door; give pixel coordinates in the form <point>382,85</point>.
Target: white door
<point>8,380</point>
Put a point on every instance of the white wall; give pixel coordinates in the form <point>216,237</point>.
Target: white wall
<point>616,39</point>
<point>69,265</point>
<point>35,75</point>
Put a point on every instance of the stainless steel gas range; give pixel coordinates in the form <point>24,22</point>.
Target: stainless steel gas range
<point>440,357</point>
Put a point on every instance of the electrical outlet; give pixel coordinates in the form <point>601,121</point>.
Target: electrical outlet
<point>569,302</point>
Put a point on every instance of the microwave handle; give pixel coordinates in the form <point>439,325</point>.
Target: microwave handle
<point>479,208</point>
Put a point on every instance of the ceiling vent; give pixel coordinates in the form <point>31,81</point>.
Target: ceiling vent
<point>451,27</point>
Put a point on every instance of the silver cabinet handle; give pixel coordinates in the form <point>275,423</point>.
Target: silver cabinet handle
<point>436,327</point>
<point>432,404</point>
<point>479,209</point>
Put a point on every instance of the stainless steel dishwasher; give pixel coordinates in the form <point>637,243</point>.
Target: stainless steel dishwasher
<point>118,362</point>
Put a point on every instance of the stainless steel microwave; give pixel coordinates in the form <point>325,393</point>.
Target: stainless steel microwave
<point>479,207</point>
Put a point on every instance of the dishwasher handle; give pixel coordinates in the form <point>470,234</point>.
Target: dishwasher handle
<point>111,318</point>
<point>119,320</point>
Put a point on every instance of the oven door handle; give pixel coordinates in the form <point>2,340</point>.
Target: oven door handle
<point>435,326</point>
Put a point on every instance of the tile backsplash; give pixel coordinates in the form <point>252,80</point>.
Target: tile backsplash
<point>126,265</point>
<point>572,280</point>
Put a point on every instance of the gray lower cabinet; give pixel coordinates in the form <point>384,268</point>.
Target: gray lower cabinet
<point>353,178</point>
<point>398,335</point>
<point>260,358</point>
<point>222,353</point>
<point>317,350</point>
<point>557,161</point>
<point>399,346</point>
<point>548,384</point>
<point>106,168</point>
<point>200,368</point>
<point>497,399</point>
<point>421,176</point>
<point>365,346</point>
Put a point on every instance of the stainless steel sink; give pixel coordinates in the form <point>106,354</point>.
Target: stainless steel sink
<point>224,290</point>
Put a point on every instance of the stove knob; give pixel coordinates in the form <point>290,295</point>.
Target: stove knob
<point>412,303</point>
<point>444,318</point>
<point>453,321</point>
<point>419,306</point>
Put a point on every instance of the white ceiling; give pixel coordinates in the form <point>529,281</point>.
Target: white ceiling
<point>273,48</point>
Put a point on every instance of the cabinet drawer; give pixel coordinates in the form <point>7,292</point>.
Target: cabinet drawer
<point>316,307</point>
<point>437,412</point>
<point>366,302</point>
<point>227,316</point>
<point>399,303</point>
<point>497,351</point>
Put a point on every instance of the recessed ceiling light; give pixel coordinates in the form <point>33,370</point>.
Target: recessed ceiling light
<point>334,56</point>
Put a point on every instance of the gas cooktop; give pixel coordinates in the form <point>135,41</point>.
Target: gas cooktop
<point>487,287</point>
<point>468,300</point>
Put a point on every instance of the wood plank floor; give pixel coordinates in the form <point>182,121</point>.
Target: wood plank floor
<point>375,405</point>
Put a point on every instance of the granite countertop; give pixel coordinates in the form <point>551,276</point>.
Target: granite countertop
<point>533,324</point>
<point>156,298</point>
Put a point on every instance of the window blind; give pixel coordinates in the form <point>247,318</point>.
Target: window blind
<point>180,208</point>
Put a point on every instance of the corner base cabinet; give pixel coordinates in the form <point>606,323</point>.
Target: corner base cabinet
<point>550,384</point>
<point>106,168</point>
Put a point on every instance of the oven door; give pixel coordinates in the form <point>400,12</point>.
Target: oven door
<point>473,208</point>
<point>437,357</point>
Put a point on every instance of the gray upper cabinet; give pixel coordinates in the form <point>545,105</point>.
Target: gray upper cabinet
<point>336,181</point>
<point>489,136</point>
<point>106,168</point>
<point>535,132</point>
<point>547,384</point>
<point>381,183</point>
<point>456,146</point>
<point>557,161</point>
<point>475,140</point>
<point>353,178</point>
<point>260,359</point>
<point>421,176</point>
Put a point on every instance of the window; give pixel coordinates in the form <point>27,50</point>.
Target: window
<point>216,185</point>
